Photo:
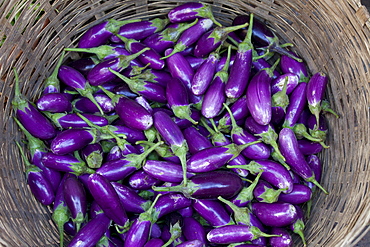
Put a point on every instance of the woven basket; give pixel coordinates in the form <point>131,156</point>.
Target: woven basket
<point>332,36</point>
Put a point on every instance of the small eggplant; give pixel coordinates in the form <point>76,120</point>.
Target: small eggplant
<point>154,242</point>
<point>209,185</point>
<point>72,120</point>
<point>65,163</point>
<point>264,192</point>
<point>277,214</point>
<point>164,170</point>
<point>100,33</point>
<point>168,203</point>
<point>30,117</point>
<point>141,29</point>
<point>141,180</point>
<point>213,211</point>
<point>278,83</point>
<point>191,243</point>
<point>191,11</point>
<point>196,141</point>
<point>284,239</point>
<point>309,147</point>
<point>193,230</point>
<point>300,194</point>
<point>85,105</point>
<point>54,102</point>
<point>239,111</point>
<point>297,102</point>
<point>288,145</point>
<point>130,199</point>
<point>52,83</point>
<point>156,76</point>
<point>297,67</point>
<point>72,140</point>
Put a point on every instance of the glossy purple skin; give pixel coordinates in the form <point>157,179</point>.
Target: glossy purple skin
<point>316,88</point>
<point>132,135</point>
<point>154,242</point>
<point>309,147</point>
<point>140,30</point>
<point>141,180</point>
<point>222,61</point>
<point>203,76</point>
<point>83,65</point>
<point>176,93</point>
<point>138,234</point>
<point>253,127</point>
<point>214,98</point>
<point>239,75</point>
<point>71,77</point>
<point>276,174</point>
<point>165,171</point>
<point>191,243</point>
<point>261,64</point>
<point>213,212</point>
<point>278,83</point>
<point>106,196</point>
<point>133,114</point>
<point>196,141</point>
<point>277,214</point>
<point>185,12</point>
<point>85,105</point>
<point>300,194</point>
<point>239,110</point>
<point>316,165</point>
<point>164,39</point>
<point>259,97</point>
<point>179,68</point>
<point>260,189</point>
<point>100,74</point>
<point>186,212</point>
<point>75,198</point>
<point>285,240</point>
<point>91,232</point>
<point>116,153</point>
<point>255,151</point>
<point>116,170</point>
<point>185,123</point>
<point>230,234</point>
<point>160,76</point>
<point>71,140</point>
<point>193,230</point>
<point>54,102</point>
<point>167,128</point>
<point>288,145</point>
<point>195,62</point>
<point>130,200</point>
<point>91,148</point>
<point>170,202</point>
<point>95,36</point>
<point>150,56</point>
<point>206,43</point>
<point>40,186</point>
<point>63,163</point>
<point>278,115</point>
<point>290,65</point>
<point>72,120</point>
<point>297,102</point>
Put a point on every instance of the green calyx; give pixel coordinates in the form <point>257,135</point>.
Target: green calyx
<point>173,34</point>
<point>52,80</point>
<point>183,112</point>
<point>19,101</point>
<point>206,12</point>
<point>94,159</point>
<point>101,51</point>
<point>61,216</point>
<point>124,61</point>
<point>270,195</point>
<point>241,214</point>
<point>281,99</point>
<point>246,194</point>
<point>113,25</point>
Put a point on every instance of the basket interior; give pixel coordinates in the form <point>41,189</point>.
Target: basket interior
<point>331,36</point>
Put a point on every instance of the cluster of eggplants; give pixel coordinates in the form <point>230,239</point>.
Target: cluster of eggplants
<point>177,131</point>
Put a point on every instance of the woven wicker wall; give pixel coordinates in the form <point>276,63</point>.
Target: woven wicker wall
<point>332,36</point>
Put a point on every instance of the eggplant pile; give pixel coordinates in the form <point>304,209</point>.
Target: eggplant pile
<point>177,131</point>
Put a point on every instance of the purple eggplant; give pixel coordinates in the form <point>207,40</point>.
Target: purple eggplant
<point>178,100</point>
<point>245,196</point>
<point>278,83</point>
<point>164,170</point>
<point>209,185</point>
<point>284,239</point>
<point>39,185</point>
<point>85,105</point>
<point>300,194</point>
<point>54,102</point>
<point>191,243</point>
<point>264,192</point>
<point>259,96</point>
<point>101,74</point>
<point>72,140</point>
<point>141,180</point>
<point>170,202</point>
<point>72,120</point>
<point>215,96</point>
<point>230,234</point>
<point>277,214</point>
<point>291,65</point>
<point>203,75</point>
<point>168,37</point>
<point>106,196</point>
<point>75,199</point>
<point>239,111</point>
<point>288,145</point>
<point>297,102</point>
<point>91,232</point>
<point>130,199</point>
<point>315,163</point>
<point>150,57</point>
<point>193,230</point>
<point>52,83</point>
<point>93,155</point>
<point>298,225</point>
<point>30,117</point>
<point>272,172</point>
<point>213,212</point>
<point>156,76</point>
<point>154,242</point>
<point>196,141</point>
<point>191,35</point>
<point>241,70</point>
<point>309,147</point>
<point>213,158</point>
<point>262,36</point>
<point>100,33</point>
<point>65,163</point>
<point>141,29</point>
<point>195,62</point>
<point>317,130</point>
<point>261,64</point>
<point>191,11</point>
<point>132,135</point>
<point>84,64</point>
<point>213,38</point>
<point>130,112</point>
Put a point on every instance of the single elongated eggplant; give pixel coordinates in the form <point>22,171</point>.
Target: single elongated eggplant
<point>191,35</point>
<point>278,83</point>
<point>297,102</point>
<point>193,230</point>
<point>300,194</point>
<point>213,38</point>
<point>309,147</point>
<point>277,214</point>
<point>288,145</point>
<point>168,203</point>
<point>52,83</point>
<point>209,185</point>
<point>204,75</point>
<point>130,199</point>
<point>65,163</point>
<point>30,117</point>
<point>167,37</point>
<point>284,239</point>
<point>165,170</point>
<point>72,120</point>
<point>156,76</point>
<point>85,105</point>
<point>91,232</point>
<point>100,33</point>
<point>72,140</point>
<point>196,141</point>
<point>213,211</point>
<point>291,65</point>
<point>141,29</point>
<point>141,180</point>
<point>54,102</point>
<point>191,11</point>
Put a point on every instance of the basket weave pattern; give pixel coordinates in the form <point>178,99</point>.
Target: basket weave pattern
<point>331,36</point>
